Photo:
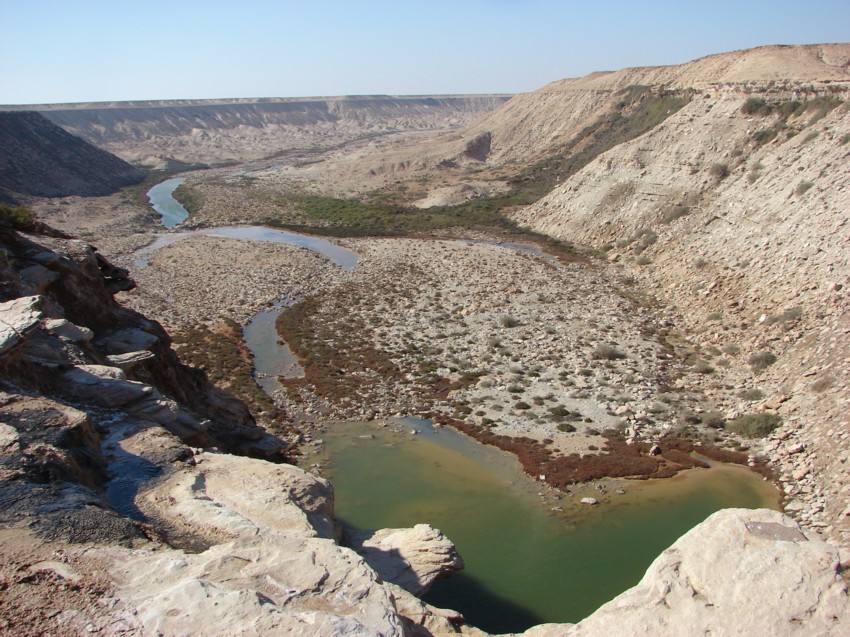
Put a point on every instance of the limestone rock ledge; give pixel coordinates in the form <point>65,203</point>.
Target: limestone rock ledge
<point>273,564</point>
<point>740,572</point>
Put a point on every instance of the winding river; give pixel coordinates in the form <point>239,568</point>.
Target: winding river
<point>532,555</point>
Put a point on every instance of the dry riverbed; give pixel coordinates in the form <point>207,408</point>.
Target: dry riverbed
<point>503,344</point>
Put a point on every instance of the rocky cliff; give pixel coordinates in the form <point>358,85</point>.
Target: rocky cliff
<point>173,133</point>
<point>41,159</point>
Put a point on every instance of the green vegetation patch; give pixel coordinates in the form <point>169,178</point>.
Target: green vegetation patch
<point>189,198</point>
<point>814,109</point>
<point>639,110</point>
<point>754,425</point>
<point>19,217</point>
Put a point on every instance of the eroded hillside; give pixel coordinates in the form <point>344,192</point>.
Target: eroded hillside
<point>201,132</point>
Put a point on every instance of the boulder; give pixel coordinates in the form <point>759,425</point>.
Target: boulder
<point>410,558</point>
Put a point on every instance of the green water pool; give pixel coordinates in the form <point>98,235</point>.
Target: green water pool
<point>525,563</point>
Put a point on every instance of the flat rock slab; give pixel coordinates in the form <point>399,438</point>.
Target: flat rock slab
<point>18,318</point>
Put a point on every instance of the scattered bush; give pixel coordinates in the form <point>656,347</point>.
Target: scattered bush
<point>756,106</point>
<point>607,352</point>
<point>700,263</point>
<point>509,321</point>
<point>754,425</point>
<point>676,212</point>
<point>701,367</point>
<point>521,405</point>
<point>810,136</point>
<point>760,361</point>
<point>719,171</point>
<point>566,427</point>
<point>803,187</point>
<point>751,394</point>
<point>19,217</point>
<point>642,260</point>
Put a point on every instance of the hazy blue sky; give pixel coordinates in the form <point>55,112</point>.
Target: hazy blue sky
<point>88,50</point>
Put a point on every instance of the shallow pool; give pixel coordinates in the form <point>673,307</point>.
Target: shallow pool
<point>525,564</point>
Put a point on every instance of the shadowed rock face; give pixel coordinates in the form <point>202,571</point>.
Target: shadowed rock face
<point>39,158</point>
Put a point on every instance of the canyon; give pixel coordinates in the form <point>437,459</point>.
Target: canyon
<point>669,261</point>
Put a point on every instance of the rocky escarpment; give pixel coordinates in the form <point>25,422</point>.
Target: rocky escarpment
<point>174,133</point>
<point>39,158</point>
<point>65,336</point>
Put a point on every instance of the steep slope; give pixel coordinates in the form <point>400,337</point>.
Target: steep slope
<point>218,131</point>
<point>41,159</point>
<point>538,125</point>
<point>734,211</point>
<point>535,123</point>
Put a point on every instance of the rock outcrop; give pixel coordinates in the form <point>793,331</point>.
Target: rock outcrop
<point>411,558</point>
<point>738,573</point>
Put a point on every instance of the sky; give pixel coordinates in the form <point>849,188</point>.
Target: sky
<point>105,50</point>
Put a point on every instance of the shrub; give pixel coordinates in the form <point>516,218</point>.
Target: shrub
<point>713,419</point>
<point>566,428</point>
<point>701,367</point>
<point>719,171</point>
<point>760,361</point>
<point>751,394</point>
<point>787,316</point>
<point>764,136</point>
<point>810,136</point>
<point>607,352</point>
<point>754,425</point>
<point>508,321</point>
<point>19,217</point>
<point>676,212</point>
<point>521,405</point>
<point>803,187</point>
<point>642,260</point>
<point>756,106</point>
<point>823,384</point>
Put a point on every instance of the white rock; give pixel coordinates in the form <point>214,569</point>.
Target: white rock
<point>740,572</point>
